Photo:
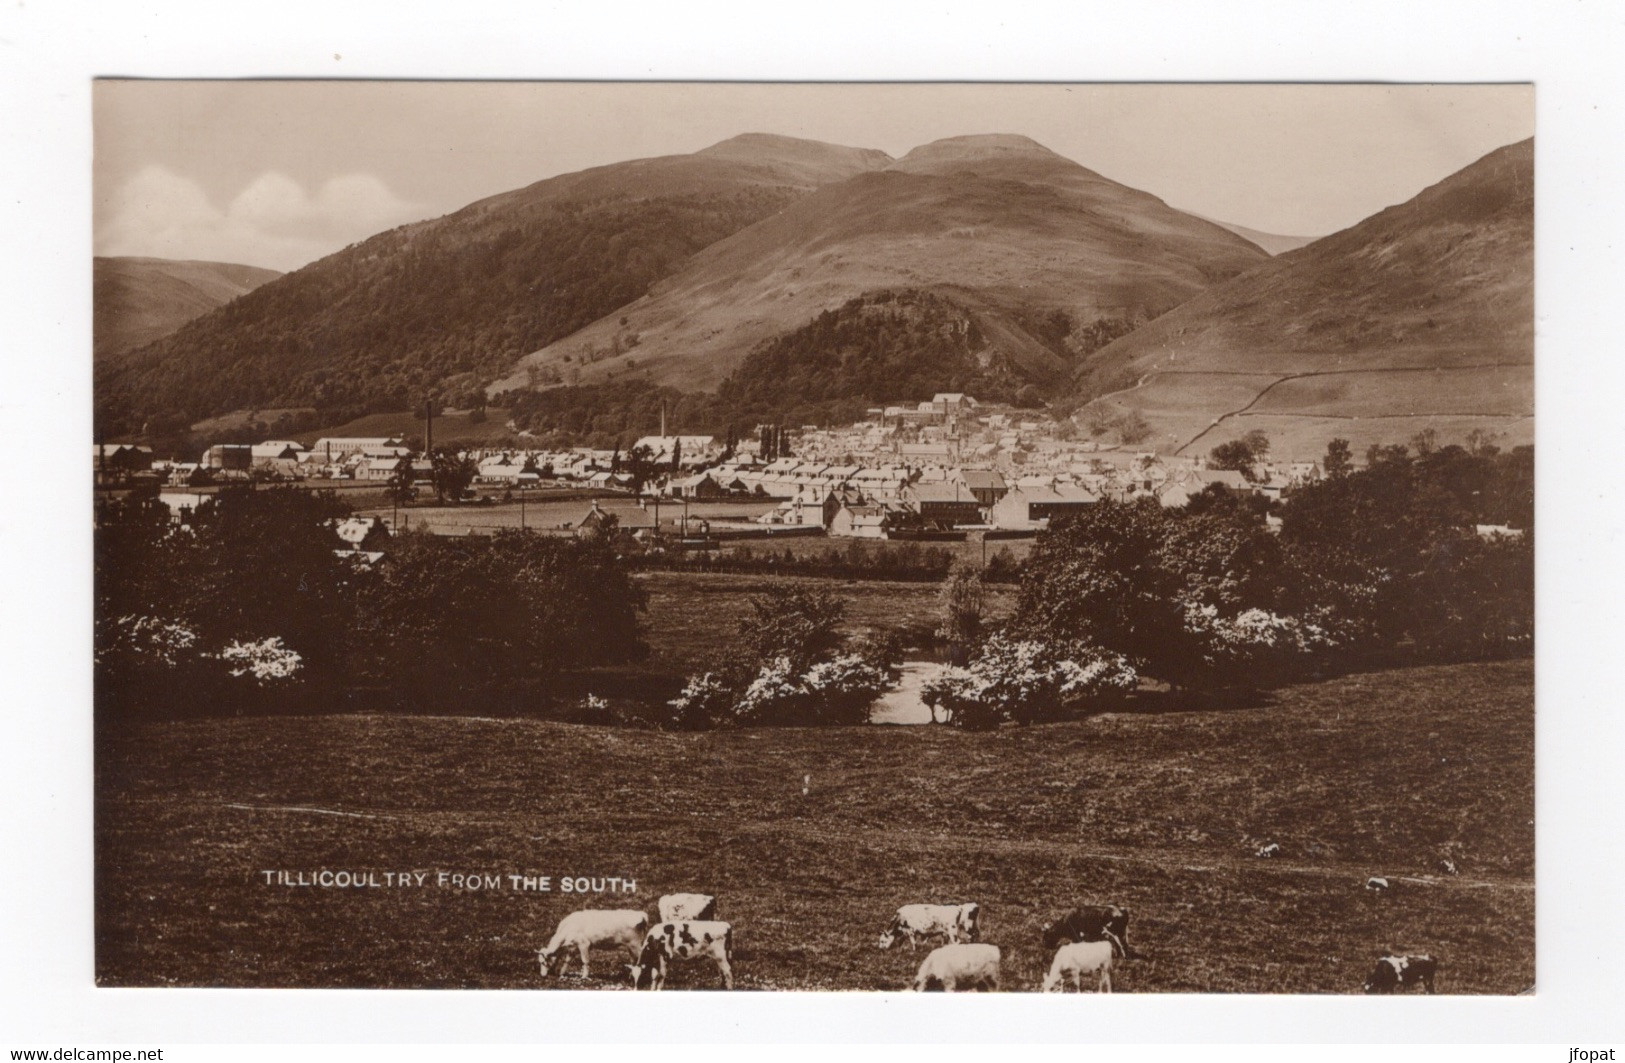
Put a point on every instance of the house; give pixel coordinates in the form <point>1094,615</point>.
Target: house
<point>878,521</point>
<point>122,458</point>
<point>337,448</point>
<point>691,451</point>
<point>277,450</point>
<point>951,403</point>
<point>596,520</point>
<point>235,456</point>
<point>1229,479</point>
<point>943,504</point>
<point>987,486</point>
<point>1031,508</point>
<point>182,504</point>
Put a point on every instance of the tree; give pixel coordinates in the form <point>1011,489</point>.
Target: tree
<point>1381,453</point>
<point>254,565</point>
<point>1391,551</point>
<point>400,489</point>
<point>802,625</point>
<point>1339,460</point>
<point>504,612</point>
<point>962,602</point>
<point>640,465</point>
<point>1159,588</point>
<point>676,454</point>
<point>453,473</point>
<point>1241,455</point>
<point>1481,443</point>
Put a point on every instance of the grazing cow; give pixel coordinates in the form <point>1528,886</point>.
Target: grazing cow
<point>1376,883</point>
<point>1395,972</point>
<point>1074,961</point>
<point>1273,849</point>
<point>582,930</point>
<point>959,968</point>
<point>675,907</point>
<point>1090,922</point>
<point>915,922</point>
<point>683,939</point>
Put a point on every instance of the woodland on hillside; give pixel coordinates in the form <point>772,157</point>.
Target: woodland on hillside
<point>883,347</point>
<point>380,324</point>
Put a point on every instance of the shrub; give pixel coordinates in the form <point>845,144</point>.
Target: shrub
<point>266,661</point>
<point>1025,680</point>
<point>704,703</point>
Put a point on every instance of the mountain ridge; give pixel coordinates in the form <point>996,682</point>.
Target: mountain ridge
<point>1336,331</point>
<point>139,299</point>
<point>443,304</point>
<point>1001,222</point>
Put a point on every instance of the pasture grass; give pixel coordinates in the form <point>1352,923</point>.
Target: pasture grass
<point>1371,774</point>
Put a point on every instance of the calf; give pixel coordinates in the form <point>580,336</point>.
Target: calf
<point>959,968</point>
<point>1090,922</point>
<point>915,922</point>
<point>1394,972</point>
<point>1074,961</point>
<point>582,930</point>
<point>678,906</point>
<point>683,939</point>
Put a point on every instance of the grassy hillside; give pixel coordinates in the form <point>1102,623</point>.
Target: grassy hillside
<point>1000,223</point>
<point>444,305</point>
<point>1443,283</point>
<point>1370,774</point>
<point>139,300</point>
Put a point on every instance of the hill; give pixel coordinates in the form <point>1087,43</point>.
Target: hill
<point>1042,251</point>
<point>1375,773</point>
<point>446,304</point>
<point>1421,316</point>
<point>139,300</point>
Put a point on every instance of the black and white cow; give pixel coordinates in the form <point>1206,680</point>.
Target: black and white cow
<point>1395,972</point>
<point>675,907</point>
<point>916,922</point>
<point>581,931</point>
<point>683,941</point>
<point>1090,922</point>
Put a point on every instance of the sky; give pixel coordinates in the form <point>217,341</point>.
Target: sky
<point>280,173</point>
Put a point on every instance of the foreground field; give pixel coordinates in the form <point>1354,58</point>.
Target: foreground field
<point>811,838</point>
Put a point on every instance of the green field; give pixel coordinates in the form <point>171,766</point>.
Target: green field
<point>1371,774</point>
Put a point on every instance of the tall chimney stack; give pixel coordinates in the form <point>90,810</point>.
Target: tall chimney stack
<point>428,426</point>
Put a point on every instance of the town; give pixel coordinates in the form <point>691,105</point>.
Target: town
<point>943,469</point>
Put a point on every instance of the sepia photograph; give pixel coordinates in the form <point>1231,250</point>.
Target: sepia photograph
<point>820,536</point>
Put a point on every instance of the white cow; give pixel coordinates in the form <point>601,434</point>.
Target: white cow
<point>675,907</point>
<point>582,930</point>
<point>683,939</point>
<point>915,922</point>
<point>959,968</point>
<point>1081,958</point>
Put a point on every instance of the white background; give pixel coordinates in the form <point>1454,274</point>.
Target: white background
<point>48,54</point>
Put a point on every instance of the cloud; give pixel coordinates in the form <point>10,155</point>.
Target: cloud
<point>272,222</point>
